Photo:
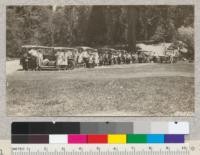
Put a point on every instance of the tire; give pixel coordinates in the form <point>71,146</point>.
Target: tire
<point>71,65</point>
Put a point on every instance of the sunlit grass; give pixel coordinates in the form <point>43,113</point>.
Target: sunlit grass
<point>105,91</point>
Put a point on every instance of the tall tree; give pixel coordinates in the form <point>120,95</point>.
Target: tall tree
<point>132,21</point>
<point>97,26</point>
<point>93,25</point>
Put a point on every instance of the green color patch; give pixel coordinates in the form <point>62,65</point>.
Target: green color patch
<point>136,138</point>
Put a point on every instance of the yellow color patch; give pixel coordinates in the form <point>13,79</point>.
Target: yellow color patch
<point>117,139</point>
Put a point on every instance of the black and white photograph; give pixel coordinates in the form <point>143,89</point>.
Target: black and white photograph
<point>100,60</point>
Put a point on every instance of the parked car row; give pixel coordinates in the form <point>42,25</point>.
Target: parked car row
<point>42,57</point>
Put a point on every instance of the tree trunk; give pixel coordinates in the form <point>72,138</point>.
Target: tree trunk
<point>132,21</point>
<point>146,36</point>
<point>97,27</point>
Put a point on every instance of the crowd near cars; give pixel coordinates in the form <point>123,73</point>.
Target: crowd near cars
<point>64,58</point>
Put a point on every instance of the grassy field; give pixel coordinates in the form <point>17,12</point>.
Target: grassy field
<point>125,90</point>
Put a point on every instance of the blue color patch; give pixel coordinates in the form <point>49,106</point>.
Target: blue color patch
<point>155,138</point>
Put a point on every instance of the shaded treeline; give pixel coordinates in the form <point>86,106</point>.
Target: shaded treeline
<point>93,25</point>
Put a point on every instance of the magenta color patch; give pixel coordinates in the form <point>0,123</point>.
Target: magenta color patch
<point>77,139</point>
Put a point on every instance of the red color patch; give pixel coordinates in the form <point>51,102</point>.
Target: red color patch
<point>97,139</point>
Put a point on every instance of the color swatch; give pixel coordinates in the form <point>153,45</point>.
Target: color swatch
<point>117,139</point>
<point>58,139</point>
<point>77,139</point>
<point>136,138</point>
<point>174,139</point>
<point>97,139</point>
<point>156,138</point>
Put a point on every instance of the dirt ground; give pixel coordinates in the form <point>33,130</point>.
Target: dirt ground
<point>12,66</point>
<point>118,90</point>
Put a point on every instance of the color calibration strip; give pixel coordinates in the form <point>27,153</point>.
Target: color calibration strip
<point>98,132</point>
<point>100,127</point>
<point>97,139</point>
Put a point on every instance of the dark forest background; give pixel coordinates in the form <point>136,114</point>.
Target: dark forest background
<point>97,25</point>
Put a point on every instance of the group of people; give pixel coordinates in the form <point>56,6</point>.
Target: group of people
<point>116,57</point>
<point>103,57</point>
<point>69,58</point>
<point>124,57</point>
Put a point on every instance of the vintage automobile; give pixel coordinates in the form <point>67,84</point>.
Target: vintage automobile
<point>65,57</point>
<point>172,54</point>
<point>87,57</point>
<point>145,56</point>
<point>47,58</point>
<point>32,56</point>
